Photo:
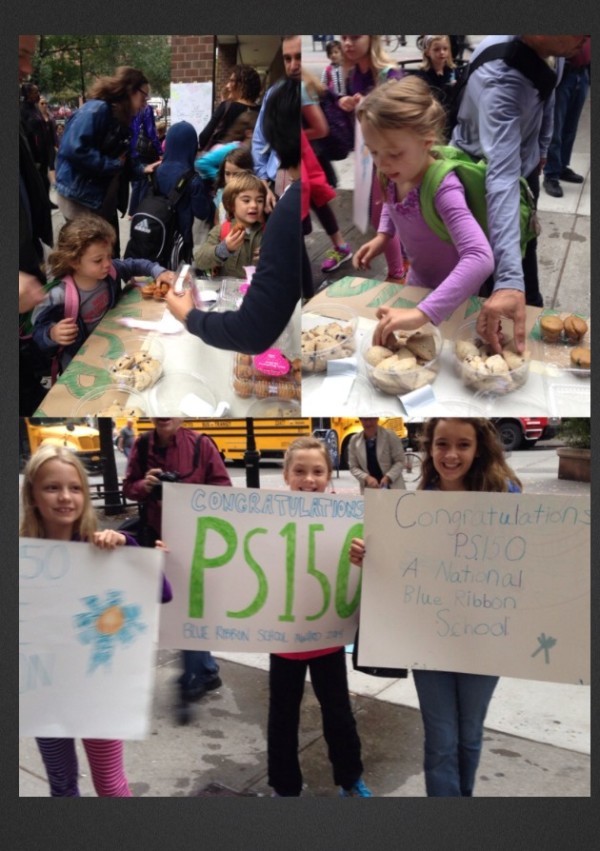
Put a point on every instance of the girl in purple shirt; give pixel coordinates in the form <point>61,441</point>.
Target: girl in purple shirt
<point>401,121</point>
<point>371,67</point>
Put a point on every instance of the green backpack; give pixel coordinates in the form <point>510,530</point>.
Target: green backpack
<point>472,176</point>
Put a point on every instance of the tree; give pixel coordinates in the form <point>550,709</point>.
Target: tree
<point>66,65</point>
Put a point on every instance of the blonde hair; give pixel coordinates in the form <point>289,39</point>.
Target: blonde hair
<point>242,182</point>
<point>406,104</point>
<point>32,525</point>
<point>307,442</point>
<point>429,40</point>
<point>75,237</point>
<point>489,471</point>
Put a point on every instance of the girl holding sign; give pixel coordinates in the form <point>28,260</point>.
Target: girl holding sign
<point>459,455</point>
<point>308,467</point>
<point>56,504</point>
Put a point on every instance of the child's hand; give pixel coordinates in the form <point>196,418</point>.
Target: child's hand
<point>367,252</point>
<point>235,238</point>
<point>64,332</point>
<point>167,277</point>
<point>160,545</point>
<point>396,319</point>
<point>108,539</point>
<point>347,103</point>
<point>357,551</point>
<point>180,304</point>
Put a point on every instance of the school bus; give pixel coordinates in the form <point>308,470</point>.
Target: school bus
<point>81,439</point>
<point>273,436</point>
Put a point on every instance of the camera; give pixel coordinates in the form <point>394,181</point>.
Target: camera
<point>156,492</point>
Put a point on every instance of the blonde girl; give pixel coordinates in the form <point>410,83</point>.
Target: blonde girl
<point>307,467</point>
<point>401,121</point>
<point>56,505</point>
<point>438,67</point>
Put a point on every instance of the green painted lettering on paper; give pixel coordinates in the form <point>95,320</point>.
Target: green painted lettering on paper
<point>350,287</point>
<point>200,562</point>
<point>289,533</point>
<point>77,370</point>
<point>318,574</point>
<point>344,608</point>
<point>263,588</point>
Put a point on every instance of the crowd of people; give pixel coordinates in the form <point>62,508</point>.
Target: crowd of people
<point>239,176</point>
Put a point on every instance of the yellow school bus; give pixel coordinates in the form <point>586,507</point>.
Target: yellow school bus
<point>273,436</point>
<point>81,439</point>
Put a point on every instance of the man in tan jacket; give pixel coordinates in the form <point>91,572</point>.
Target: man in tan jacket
<point>376,456</point>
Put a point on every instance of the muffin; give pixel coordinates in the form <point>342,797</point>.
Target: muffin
<point>575,328</point>
<point>551,328</point>
<point>581,357</point>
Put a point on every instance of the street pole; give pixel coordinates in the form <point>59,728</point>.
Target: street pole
<point>109,467</point>
<point>251,457</point>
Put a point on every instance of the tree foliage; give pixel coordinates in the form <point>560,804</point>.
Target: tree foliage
<point>66,65</point>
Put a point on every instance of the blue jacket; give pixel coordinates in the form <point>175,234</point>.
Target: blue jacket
<point>88,156</point>
<point>181,146</point>
<point>52,309</point>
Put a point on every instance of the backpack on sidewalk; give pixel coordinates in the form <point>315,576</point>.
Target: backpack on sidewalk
<point>154,234</point>
<point>472,176</point>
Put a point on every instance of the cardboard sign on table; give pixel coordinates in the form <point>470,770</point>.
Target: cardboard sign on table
<point>88,620</point>
<point>478,583</point>
<point>258,570</point>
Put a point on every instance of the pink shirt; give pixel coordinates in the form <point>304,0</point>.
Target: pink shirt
<point>454,271</point>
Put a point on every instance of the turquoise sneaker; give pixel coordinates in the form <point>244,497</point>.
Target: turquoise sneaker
<point>359,790</point>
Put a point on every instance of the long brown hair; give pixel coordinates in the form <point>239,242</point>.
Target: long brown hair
<point>32,525</point>
<point>489,471</point>
<point>118,90</point>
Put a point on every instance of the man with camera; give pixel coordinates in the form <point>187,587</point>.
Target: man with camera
<point>172,453</point>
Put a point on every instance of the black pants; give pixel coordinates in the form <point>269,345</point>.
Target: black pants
<point>533,296</point>
<point>330,683</point>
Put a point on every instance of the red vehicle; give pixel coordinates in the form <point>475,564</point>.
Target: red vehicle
<point>523,432</point>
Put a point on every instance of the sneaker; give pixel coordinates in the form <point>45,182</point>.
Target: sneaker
<point>569,176</point>
<point>336,257</point>
<point>213,683</point>
<point>359,790</point>
<point>553,187</point>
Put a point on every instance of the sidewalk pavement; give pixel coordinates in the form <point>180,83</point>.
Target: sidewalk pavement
<point>536,742</point>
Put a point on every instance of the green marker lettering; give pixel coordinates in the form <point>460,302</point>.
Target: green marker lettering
<point>263,588</point>
<point>200,562</point>
<point>342,607</point>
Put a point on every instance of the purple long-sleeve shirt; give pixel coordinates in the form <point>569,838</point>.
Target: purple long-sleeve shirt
<point>454,271</point>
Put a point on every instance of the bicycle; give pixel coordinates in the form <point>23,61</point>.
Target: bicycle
<point>411,470</point>
<point>393,42</point>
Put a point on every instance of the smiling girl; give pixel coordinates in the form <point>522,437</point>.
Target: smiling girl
<point>84,258</point>
<point>56,504</point>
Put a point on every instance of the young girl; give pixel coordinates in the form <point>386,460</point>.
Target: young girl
<point>307,467</point>
<point>460,454</point>
<point>84,256</point>
<point>235,243</point>
<point>400,122</point>
<point>56,505</point>
<point>333,75</point>
<point>438,68</point>
<point>371,66</point>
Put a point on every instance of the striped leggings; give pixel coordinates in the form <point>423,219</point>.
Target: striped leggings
<point>105,757</point>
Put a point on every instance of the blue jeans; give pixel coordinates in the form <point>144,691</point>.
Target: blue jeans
<point>453,707</point>
<point>198,667</point>
<point>569,99</point>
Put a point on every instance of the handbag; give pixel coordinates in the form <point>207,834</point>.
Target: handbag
<point>391,673</point>
<point>340,141</point>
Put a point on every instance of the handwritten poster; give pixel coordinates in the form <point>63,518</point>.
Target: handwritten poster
<point>191,102</point>
<point>88,620</point>
<point>259,570</point>
<point>363,176</point>
<point>478,583</point>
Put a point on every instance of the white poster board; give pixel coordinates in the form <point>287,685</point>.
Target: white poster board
<point>363,177</point>
<point>191,102</point>
<point>479,583</point>
<point>258,570</point>
<point>88,620</point>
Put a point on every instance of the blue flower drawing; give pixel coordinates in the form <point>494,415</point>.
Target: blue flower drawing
<point>107,623</point>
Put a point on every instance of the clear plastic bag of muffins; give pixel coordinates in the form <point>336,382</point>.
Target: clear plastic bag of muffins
<point>271,374</point>
<point>565,339</point>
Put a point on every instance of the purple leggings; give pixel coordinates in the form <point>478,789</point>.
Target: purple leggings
<point>105,757</point>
